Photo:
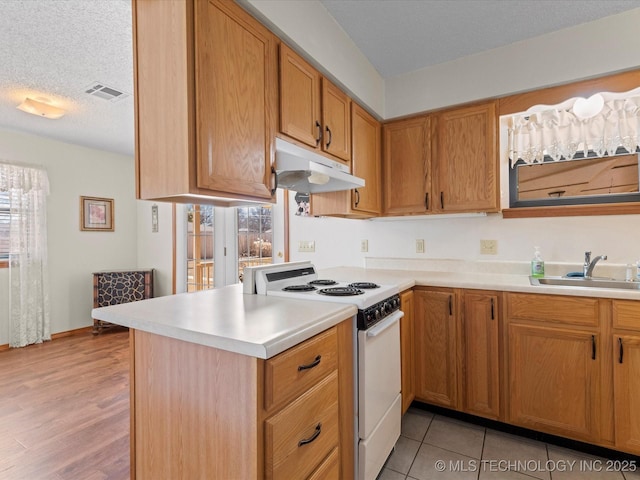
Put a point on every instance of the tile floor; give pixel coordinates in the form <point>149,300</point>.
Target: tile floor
<point>437,447</point>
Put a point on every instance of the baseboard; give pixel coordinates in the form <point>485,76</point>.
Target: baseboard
<point>68,333</point>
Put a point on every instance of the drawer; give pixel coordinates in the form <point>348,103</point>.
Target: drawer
<point>292,372</point>
<point>301,435</point>
<point>626,314</point>
<point>582,311</point>
<point>329,469</point>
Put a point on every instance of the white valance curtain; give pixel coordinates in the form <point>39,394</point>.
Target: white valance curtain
<point>560,132</point>
<point>27,189</point>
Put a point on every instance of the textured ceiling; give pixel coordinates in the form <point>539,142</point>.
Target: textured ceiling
<point>55,49</point>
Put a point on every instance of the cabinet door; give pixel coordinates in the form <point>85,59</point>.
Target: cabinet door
<point>480,345</point>
<point>336,116</point>
<point>299,98</point>
<point>554,377</point>
<point>406,349</point>
<point>407,166</point>
<point>466,159</point>
<point>236,100</point>
<point>366,139</point>
<point>626,372</point>
<point>435,347</point>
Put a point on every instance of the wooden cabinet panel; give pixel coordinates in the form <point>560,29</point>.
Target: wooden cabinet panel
<point>336,119</point>
<point>364,202</point>
<point>407,166</point>
<point>626,314</point>
<point>480,354</point>
<point>235,94</point>
<point>553,308</point>
<point>465,158</point>
<point>366,160</point>
<point>302,434</point>
<point>554,380</point>
<point>406,350</point>
<point>206,125</point>
<point>292,372</point>
<point>329,469</point>
<point>299,98</point>
<point>626,372</point>
<point>435,347</point>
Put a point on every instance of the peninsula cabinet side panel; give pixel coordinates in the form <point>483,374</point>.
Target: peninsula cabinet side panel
<point>163,165</point>
<point>194,410</point>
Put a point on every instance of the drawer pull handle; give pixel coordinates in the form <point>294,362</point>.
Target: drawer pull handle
<point>593,347</point>
<point>315,435</point>
<point>621,351</point>
<point>315,363</point>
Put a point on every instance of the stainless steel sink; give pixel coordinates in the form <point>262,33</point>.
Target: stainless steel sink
<point>584,282</point>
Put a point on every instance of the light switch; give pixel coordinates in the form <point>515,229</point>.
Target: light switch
<point>420,245</point>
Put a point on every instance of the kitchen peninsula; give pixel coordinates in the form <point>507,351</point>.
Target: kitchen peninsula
<point>208,370</point>
<point>216,389</point>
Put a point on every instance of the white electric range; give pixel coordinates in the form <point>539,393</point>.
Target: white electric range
<point>378,404</point>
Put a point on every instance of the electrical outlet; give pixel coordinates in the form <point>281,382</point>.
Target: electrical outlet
<point>306,246</point>
<point>364,246</point>
<point>420,245</point>
<point>488,247</point>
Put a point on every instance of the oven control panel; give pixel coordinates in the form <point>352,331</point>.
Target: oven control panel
<point>376,312</point>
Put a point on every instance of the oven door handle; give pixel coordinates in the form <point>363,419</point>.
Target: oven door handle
<point>385,324</point>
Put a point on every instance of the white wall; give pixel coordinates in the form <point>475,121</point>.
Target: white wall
<point>308,27</point>
<point>155,249</point>
<point>592,49</point>
<point>75,171</point>
<point>588,50</point>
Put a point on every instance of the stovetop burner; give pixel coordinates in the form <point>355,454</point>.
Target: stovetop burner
<point>364,285</point>
<point>340,291</point>
<point>299,288</point>
<point>322,282</point>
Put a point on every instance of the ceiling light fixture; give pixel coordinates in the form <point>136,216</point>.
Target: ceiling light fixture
<point>42,109</point>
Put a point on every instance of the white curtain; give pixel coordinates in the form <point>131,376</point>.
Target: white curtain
<point>558,132</point>
<point>27,189</point>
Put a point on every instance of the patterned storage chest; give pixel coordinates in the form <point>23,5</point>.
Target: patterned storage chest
<point>112,287</point>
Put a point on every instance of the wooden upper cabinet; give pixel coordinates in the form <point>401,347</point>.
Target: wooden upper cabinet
<point>299,98</point>
<point>206,102</point>
<point>313,111</point>
<point>407,166</point>
<point>465,158</point>
<point>336,121</point>
<point>364,202</point>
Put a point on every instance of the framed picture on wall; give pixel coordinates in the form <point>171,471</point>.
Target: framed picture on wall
<point>96,214</point>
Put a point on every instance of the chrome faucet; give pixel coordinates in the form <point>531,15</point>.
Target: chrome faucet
<point>589,265</point>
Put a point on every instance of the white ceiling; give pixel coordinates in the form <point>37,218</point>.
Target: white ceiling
<point>56,49</point>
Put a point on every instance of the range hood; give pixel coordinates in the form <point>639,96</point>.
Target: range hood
<point>304,171</point>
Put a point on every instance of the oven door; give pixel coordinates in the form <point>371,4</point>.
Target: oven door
<point>378,371</point>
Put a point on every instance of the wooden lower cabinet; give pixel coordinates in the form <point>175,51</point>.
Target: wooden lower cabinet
<point>480,334</point>
<point>554,380</point>
<point>406,350</point>
<point>436,332</point>
<point>626,375</point>
<point>200,412</point>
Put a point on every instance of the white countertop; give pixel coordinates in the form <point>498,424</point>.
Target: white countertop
<point>225,318</point>
<point>508,282</point>
<point>263,326</point>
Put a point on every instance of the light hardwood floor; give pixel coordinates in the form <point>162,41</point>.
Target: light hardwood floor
<point>64,409</point>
